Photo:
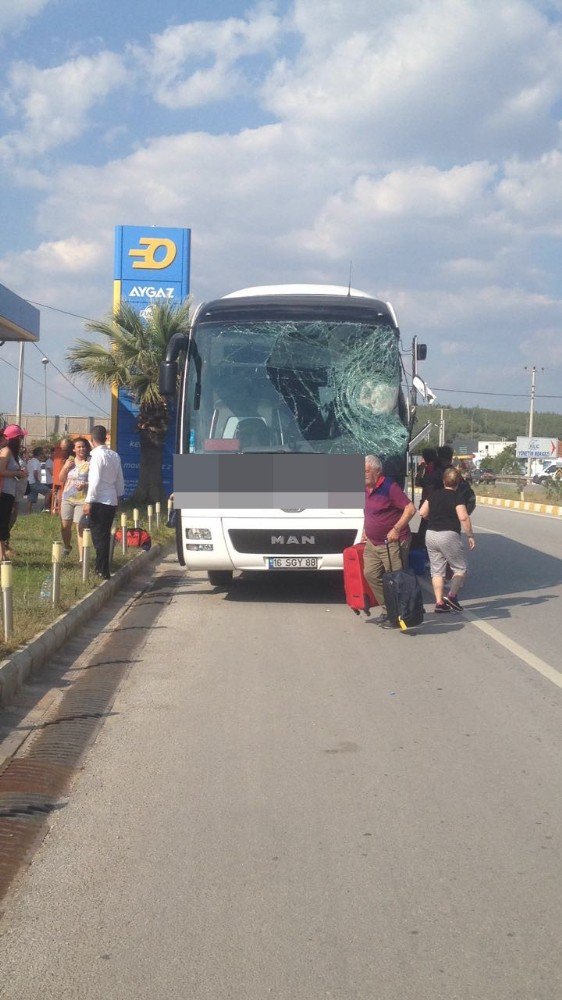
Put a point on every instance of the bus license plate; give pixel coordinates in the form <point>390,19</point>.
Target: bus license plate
<point>293,562</point>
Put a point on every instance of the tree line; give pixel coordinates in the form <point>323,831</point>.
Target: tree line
<point>476,422</point>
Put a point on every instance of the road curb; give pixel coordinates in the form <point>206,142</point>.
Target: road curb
<point>15,670</point>
<point>535,508</point>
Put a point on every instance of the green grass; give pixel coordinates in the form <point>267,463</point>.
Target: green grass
<point>511,491</point>
<point>32,538</point>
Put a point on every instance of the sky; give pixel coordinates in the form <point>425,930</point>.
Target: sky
<point>419,140</point>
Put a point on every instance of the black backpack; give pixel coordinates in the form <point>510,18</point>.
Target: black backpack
<point>402,596</point>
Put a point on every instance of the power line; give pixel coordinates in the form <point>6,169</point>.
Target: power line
<point>67,379</point>
<point>65,312</point>
<point>60,395</point>
<point>482,392</point>
<point>478,392</point>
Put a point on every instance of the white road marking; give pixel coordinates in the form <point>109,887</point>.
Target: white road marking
<point>515,510</point>
<point>523,654</point>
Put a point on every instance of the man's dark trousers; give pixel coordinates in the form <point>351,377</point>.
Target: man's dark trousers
<point>101,519</point>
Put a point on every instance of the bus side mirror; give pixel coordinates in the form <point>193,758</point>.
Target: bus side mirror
<point>168,380</point>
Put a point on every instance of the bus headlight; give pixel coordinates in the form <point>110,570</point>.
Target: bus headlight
<point>197,534</point>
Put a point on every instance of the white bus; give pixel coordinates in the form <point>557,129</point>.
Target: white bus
<point>282,391</point>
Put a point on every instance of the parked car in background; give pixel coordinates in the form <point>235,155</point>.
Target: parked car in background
<point>481,476</point>
<point>551,473</point>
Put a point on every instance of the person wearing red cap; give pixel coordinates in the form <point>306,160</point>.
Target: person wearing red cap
<point>10,443</point>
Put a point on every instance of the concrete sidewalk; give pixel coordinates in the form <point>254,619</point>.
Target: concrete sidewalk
<point>16,668</point>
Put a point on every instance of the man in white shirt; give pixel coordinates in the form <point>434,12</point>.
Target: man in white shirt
<point>36,486</point>
<point>48,465</point>
<point>105,487</point>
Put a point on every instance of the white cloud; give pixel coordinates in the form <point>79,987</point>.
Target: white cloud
<point>321,22</point>
<point>54,103</point>
<point>547,345</point>
<point>408,199</point>
<point>175,77</point>
<point>530,195</point>
<point>14,13</point>
<point>71,257</point>
<point>422,146</point>
<point>439,77</point>
<point>452,347</point>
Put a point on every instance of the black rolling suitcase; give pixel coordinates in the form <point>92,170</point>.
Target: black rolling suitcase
<point>402,596</point>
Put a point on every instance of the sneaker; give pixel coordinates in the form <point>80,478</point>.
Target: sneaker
<point>441,608</point>
<point>66,552</point>
<point>453,602</point>
<point>385,622</point>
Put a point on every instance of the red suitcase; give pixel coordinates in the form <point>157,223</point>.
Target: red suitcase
<point>358,594</point>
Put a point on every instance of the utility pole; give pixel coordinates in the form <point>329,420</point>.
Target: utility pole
<point>531,411</point>
<point>441,428</point>
<point>20,385</point>
<point>414,393</point>
<point>45,362</point>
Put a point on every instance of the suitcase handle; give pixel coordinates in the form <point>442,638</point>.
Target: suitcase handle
<point>388,554</point>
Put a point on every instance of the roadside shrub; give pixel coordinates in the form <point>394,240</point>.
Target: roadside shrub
<point>553,490</point>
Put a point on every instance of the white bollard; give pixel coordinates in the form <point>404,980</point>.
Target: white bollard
<point>124,534</point>
<point>157,508</point>
<point>149,512</point>
<point>57,560</point>
<point>86,551</point>
<point>6,581</point>
<point>136,517</point>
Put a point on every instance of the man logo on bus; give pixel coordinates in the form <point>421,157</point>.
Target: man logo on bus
<point>292,540</point>
<point>153,244</point>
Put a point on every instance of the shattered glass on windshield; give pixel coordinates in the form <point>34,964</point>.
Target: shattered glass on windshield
<point>297,385</point>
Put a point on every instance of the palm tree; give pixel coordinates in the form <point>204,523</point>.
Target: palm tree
<point>136,346</point>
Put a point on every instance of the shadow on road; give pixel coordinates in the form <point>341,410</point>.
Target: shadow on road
<point>298,587</point>
<point>501,565</point>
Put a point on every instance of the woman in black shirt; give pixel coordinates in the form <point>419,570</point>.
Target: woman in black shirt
<point>445,516</point>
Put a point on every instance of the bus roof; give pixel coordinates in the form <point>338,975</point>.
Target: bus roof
<point>260,290</point>
<point>298,301</point>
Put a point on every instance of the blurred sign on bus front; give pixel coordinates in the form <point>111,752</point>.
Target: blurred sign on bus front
<point>534,447</point>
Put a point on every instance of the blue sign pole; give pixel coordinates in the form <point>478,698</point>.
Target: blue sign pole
<point>151,265</point>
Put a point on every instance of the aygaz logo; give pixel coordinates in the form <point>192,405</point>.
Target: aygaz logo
<point>150,292</point>
<point>153,257</point>
<point>154,253</point>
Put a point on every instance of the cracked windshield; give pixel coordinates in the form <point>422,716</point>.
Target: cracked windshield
<point>295,386</point>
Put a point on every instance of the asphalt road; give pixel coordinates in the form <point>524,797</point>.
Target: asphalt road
<point>287,801</point>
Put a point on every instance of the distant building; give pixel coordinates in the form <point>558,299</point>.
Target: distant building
<point>489,449</point>
<point>464,447</point>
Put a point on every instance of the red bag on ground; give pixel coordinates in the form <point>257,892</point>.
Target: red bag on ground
<point>137,538</point>
<point>358,594</point>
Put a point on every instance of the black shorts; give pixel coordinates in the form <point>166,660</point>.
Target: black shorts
<point>6,506</point>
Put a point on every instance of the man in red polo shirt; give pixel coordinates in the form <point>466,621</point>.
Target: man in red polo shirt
<point>388,512</point>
